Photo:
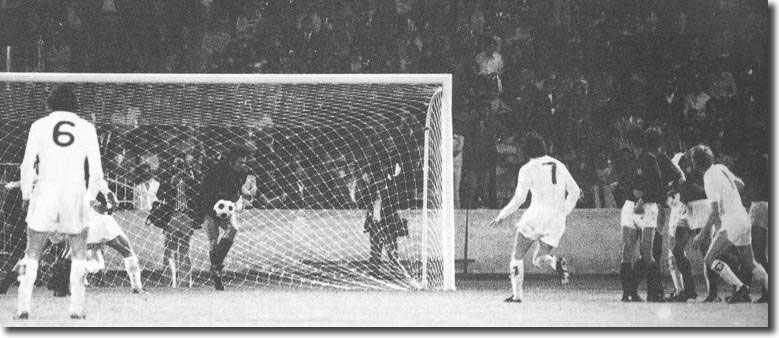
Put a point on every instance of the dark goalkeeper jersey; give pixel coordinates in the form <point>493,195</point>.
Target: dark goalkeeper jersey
<point>220,183</point>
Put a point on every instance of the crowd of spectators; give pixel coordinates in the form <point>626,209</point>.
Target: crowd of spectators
<point>576,71</point>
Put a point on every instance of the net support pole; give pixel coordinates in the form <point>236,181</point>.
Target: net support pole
<point>447,185</point>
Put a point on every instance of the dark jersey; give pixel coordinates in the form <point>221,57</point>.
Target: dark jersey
<point>647,178</point>
<point>220,183</point>
<point>668,172</point>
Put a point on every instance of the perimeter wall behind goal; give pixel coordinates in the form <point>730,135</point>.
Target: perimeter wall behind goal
<point>592,242</point>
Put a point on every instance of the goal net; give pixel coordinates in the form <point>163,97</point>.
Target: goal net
<point>313,140</point>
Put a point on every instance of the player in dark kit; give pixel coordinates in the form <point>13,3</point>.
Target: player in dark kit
<point>641,181</point>
<point>225,181</point>
<point>669,176</point>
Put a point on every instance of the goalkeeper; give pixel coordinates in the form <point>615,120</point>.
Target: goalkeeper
<point>227,180</point>
<point>378,195</point>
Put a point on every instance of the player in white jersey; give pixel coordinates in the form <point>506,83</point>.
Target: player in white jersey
<point>104,230</point>
<point>60,143</point>
<point>554,196</point>
<point>723,192</point>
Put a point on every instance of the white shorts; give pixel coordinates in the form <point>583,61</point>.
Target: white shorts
<point>738,230</point>
<point>758,214</point>
<point>630,219</point>
<point>58,208</point>
<point>545,226</point>
<point>692,216</point>
<point>102,228</point>
<point>698,212</point>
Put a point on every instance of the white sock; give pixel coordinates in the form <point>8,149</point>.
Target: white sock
<point>28,272</point>
<point>760,275</point>
<point>726,273</point>
<point>517,274</point>
<point>133,271</point>
<point>78,290</point>
<point>173,272</point>
<point>676,275</point>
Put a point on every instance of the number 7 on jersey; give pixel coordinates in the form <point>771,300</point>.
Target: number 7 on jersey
<point>554,171</point>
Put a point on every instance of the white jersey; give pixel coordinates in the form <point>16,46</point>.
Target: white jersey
<point>720,187</point>
<point>548,180</point>
<point>61,142</point>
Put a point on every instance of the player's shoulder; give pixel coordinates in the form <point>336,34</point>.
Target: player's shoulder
<point>713,172</point>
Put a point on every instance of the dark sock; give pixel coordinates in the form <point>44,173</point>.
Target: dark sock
<point>213,256</point>
<point>626,276</point>
<point>685,268</point>
<point>657,247</point>
<point>654,284</point>
<point>223,248</point>
<point>745,276</point>
<point>713,283</point>
<point>639,271</point>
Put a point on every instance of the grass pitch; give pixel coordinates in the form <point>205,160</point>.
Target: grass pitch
<point>587,301</point>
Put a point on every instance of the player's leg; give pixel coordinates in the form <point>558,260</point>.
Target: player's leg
<point>759,273</point>
<point>759,244</point>
<point>122,246</point>
<point>712,279</point>
<point>376,245</point>
<point>758,214</point>
<point>647,262</point>
<point>95,259</point>
<point>226,242</point>
<point>517,266</point>
<point>182,250</point>
<point>682,237</point>
<point>549,240</point>
<point>212,231</point>
<point>168,247</point>
<point>719,245</point>
<point>78,253</point>
<point>392,249</point>
<point>630,237</point>
<point>657,252</point>
<point>9,269</point>
<point>27,271</point>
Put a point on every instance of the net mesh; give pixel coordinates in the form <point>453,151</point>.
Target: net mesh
<point>311,146</point>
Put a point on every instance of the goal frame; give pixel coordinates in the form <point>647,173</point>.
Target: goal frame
<point>446,151</point>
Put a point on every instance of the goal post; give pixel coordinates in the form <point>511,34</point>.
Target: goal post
<point>311,136</point>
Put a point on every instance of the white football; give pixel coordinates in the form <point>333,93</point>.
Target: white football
<point>224,209</point>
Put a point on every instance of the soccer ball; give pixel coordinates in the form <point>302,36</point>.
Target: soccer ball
<point>224,209</point>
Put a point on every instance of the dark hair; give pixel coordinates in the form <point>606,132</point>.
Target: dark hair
<point>63,98</point>
<point>533,145</point>
<point>702,157</point>
<point>653,138</point>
